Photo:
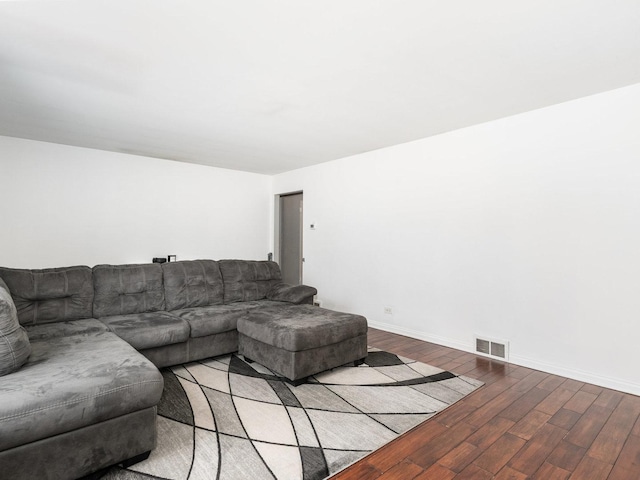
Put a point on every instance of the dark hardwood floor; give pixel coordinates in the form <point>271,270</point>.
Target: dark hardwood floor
<point>522,424</point>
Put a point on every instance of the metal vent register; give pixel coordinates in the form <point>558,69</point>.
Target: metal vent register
<point>492,348</point>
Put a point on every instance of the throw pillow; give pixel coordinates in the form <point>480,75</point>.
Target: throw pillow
<point>14,341</point>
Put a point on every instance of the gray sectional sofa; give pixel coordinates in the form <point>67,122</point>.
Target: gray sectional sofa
<point>85,398</point>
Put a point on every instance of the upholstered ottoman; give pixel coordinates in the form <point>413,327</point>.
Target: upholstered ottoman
<point>302,340</point>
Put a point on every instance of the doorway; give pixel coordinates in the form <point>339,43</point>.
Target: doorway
<point>289,237</point>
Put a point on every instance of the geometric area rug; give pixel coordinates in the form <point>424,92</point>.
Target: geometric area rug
<point>225,419</point>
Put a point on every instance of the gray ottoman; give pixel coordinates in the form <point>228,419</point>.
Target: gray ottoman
<point>297,341</point>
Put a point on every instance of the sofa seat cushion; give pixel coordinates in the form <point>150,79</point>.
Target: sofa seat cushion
<point>148,330</point>
<point>300,327</point>
<point>71,382</point>
<point>218,318</point>
<point>86,327</point>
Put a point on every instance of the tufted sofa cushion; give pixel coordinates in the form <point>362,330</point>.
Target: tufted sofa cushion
<point>51,294</point>
<point>195,283</point>
<point>14,342</point>
<point>127,289</point>
<point>248,280</point>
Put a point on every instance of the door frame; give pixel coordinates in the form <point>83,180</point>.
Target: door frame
<point>276,228</point>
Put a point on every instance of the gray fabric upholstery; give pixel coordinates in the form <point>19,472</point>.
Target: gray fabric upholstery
<point>301,364</point>
<point>296,294</point>
<point>248,280</point>
<point>193,349</point>
<point>72,382</point>
<point>148,330</point>
<point>86,399</point>
<point>301,327</point>
<point>127,289</point>
<point>80,452</point>
<point>51,294</point>
<point>167,355</point>
<point>218,318</point>
<point>212,345</point>
<point>14,342</point>
<point>188,284</point>
<point>86,327</point>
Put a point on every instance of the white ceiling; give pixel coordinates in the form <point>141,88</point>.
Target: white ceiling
<point>270,86</point>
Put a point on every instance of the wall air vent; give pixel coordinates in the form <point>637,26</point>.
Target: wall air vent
<point>483,346</point>
<point>493,348</point>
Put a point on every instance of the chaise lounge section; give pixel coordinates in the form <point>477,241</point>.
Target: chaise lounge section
<point>86,397</point>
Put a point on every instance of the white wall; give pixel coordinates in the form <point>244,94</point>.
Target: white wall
<point>525,229</point>
<point>62,205</point>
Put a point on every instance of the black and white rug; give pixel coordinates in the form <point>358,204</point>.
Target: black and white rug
<point>226,419</point>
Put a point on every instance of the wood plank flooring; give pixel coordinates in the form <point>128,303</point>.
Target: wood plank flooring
<point>523,424</point>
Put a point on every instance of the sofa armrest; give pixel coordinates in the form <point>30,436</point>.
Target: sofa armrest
<point>297,294</point>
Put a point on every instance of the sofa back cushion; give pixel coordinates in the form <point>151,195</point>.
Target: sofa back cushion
<point>51,294</point>
<point>248,280</point>
<point>127,289</point>
<point>14,342</point>
<point>195,283</point>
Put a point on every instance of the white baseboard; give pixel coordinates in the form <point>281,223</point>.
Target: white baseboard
<point>575,374</point>
<point>580,375</point>
<point>447,342</point>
